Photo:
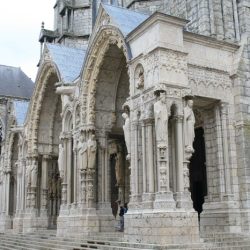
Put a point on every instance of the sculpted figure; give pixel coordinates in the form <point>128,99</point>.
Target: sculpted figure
<point>92,147</point>
<point>126,129</point>
<point>140,83</point>
<point>33,173</point>
<point>83,153</point>
<point>28,173</point>
<point>60,160</point>
<point>119,168</point>
<point>161,118</point>
<point>189,121</point>
<point>19,168</point>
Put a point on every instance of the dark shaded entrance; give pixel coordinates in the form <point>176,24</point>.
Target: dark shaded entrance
<point>198,177</point>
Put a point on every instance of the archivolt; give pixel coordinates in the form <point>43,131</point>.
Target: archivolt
<point>106,36</point>
<point>35,107</point>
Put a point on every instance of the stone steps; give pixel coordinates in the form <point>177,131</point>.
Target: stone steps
<point>31,244</point>
<point>47,240</point>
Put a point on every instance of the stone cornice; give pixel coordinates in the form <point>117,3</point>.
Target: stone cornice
<point>156,17</point>
<point>209,42</point>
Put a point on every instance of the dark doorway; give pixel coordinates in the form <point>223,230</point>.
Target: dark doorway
<point>198,177</point>
<point>114,187</point>
<point>54,194</point>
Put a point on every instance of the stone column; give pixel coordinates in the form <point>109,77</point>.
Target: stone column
<point>224,118</point>
<point>30,222</point>
<point>134,170</point>
<point>1,192</point>
<point>33,178</point>
<point>7,191</point>
<point>103,166</point>
<point>220,163</point>
<point>148,168</point>
<point>164,197</point>
<point>75,174</point>
<point>107,197</point>
<point>150,154</point>
<point>83,191</point>
<point>44,189</point>
<point>69,174</point>
<point>64,172</point>
<point>182,195</point>
<point>18,191</point>
<point>91,188</point>
<point>144,162</point>
<point>179,154</point>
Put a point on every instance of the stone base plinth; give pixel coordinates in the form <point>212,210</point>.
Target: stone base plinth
<point>5,223</point>
<point>71,223</point>
<point>223,216</point>
<point>245,220</point>
<point>161,227</point>
<point>30,222</point>
<point>18,223</point>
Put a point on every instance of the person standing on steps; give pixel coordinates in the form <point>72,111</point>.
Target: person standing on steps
<point>121,215</point>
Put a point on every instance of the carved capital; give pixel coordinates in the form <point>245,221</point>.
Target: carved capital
<point>224,108</point>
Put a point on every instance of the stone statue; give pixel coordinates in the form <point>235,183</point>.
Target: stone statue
<point>161,119</point>
<point>140,83</point>
<point>19,168</point>
<point>83,153</point>
<point>92,147</point>
<point>189,121</point>
<point>33,173</point>
<point>60,160</point>
<point>119,168</point>
<point>27,174</point>
<point>126,129</point>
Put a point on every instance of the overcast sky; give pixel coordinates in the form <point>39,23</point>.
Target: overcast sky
<point>20,24</point>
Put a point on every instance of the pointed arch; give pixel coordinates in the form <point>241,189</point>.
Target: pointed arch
<point>47,75</point>
<point>105,37</point>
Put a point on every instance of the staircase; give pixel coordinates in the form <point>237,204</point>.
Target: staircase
<point>47,240</point>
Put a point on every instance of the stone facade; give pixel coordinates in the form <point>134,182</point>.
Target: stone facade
<point>157,117</point>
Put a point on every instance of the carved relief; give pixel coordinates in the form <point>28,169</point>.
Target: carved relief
<point>209,83</point>
<point>166,60</point>
<point>139,77</point>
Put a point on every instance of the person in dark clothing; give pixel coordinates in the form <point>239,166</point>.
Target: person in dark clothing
<point>121,214</point>
<point>125,208</point>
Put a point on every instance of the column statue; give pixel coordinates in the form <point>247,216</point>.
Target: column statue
<point>119,168</point>
<point>28,174</point>
<point>189,121</point>
<point>33,173</point>
<point>161,118</point>
<point>126,129</point>
<point>92,147</point>
<point>82,153</point>
<point>60,160</point>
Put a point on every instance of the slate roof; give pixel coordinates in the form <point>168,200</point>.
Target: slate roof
<point>15,83</point>
<point>69,61</point>
<point>20,111</point>
<point>126,20</point>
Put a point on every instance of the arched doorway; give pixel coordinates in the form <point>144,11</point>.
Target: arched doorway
<point>198,177</point>
<point>13,179</point>
<point>48,127</point>
<point>112,91</point>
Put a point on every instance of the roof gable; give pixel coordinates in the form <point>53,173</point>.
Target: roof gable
<point>69,61</point>
<point>124,19</point>
<point>15,83</point>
